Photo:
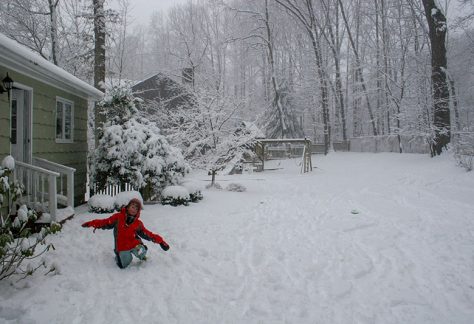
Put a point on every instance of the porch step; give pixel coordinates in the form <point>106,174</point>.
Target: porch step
<point>62,215</point>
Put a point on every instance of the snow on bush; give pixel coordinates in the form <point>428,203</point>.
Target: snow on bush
<point>194,189</point>
<point>175,195</point>
<point>101,204</point>
<point>132,150</point>
<point>19,246</point>
<point>237,187</point>
<point>123,198</point>
<point>8,163</point>
<point>465,161</point>
<point>215,186</point>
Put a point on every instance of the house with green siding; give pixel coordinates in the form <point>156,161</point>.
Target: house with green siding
<point>43,126</point>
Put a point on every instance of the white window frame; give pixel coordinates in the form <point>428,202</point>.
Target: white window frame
<point>63,126</point>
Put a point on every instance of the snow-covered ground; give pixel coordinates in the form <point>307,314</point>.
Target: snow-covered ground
<point>288,250</point>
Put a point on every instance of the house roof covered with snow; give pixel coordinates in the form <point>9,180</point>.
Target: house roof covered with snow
<point>164,89</point>
<point>21,59</point>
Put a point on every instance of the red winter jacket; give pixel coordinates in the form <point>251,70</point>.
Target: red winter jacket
<point>126,236</point>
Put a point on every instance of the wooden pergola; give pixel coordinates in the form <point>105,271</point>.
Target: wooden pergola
<point>307,164</point>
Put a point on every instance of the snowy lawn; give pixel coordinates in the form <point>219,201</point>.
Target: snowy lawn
<point>364,238</point>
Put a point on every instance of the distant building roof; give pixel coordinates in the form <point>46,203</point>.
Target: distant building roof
<point>163,89</point>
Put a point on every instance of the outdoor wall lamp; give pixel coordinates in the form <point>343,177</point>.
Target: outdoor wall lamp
<point>7,85</point>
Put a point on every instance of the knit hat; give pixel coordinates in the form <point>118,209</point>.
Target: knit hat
<point>137,202</point>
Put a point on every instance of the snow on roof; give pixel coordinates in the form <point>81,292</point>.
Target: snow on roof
<point>21,59</point>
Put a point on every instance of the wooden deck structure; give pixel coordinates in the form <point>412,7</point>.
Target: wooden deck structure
<point>306,164</point>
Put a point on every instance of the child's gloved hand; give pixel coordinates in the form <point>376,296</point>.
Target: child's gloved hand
<point>164,246</point>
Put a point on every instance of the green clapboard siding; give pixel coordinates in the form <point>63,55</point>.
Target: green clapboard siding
<point>4,120</point>
<point>44,128</point>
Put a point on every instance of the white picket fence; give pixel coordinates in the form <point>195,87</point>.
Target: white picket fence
<point>113,190</point>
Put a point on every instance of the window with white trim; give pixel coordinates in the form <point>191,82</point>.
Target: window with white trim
<point>64,120</point>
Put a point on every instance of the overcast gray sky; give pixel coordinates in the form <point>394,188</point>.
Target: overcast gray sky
<point>141,10</point>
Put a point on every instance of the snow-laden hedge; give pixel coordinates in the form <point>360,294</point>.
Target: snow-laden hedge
<point>216,185</point>
<point>103,204</point>
<point>237,187</point>
<point>175,195</point>
<point>195,191</point>
<point>122,199</point>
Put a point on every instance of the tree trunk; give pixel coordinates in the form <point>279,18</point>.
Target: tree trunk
<point>99,58</point>
<point>277,100</point>
<point>437,34</point>
<point>53,15</point>
<point>334,42</point>
<point>99,45</point>
<point>454,97</point>
<point>386,71</point>
<point>359,70</point>
<point>378,69</point>
<point>308,20</point>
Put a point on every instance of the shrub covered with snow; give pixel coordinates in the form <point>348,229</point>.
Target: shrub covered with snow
<point>19,246</point>
<point>216,185</point>
<point>175,195</point>
<point>465,161</point>
<point>132,150</point>
<point>101,204</point>
<point>122,199</point>
<point>195,191</point>
<point>8,162</point>
<point>237,187</point>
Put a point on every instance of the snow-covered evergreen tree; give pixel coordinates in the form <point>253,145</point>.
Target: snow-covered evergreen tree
<point>132,150</point>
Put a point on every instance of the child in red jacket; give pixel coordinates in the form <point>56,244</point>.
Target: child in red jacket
<point>128,230</point>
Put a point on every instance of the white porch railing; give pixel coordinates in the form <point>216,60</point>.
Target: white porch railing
<point>46,183</point>
<point>40,187</point>
<point>65,192</point>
